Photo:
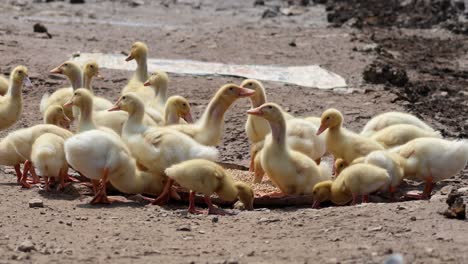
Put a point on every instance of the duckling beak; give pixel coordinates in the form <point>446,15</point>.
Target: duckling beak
<point>68,104</point>
<point>245,92</point>
<point>322,128</point>
<point>188,117</point>
<point>114,108</point>
<point>256,111</point>
<point>66,118</point>
<point>147,83</point>
<point>27,82</point>
<point>130,57</point>
<point>56,70</point>
<point>99,76</point>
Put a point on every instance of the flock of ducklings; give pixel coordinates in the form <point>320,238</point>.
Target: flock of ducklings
<point>146,141</point>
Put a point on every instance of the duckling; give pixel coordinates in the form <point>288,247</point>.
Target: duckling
<point>207,177</point>
<point>392,118</point>
<point>208,130</point>
<point>56,115</point>
<point>158,80</point>
<point>157,148</point>
<point>390,161</point>
<point>340,165</point>
<point>61,96</point>
<point>100,155</point>
<point>91,70</point>
<point>432,160</point>
<point>341,142</point>
<point>11,105</point>
<point>89,119</point>
<point>291,171</point>
<point>399,134</point>
<point>333,191</point>
<point>139,53</point>
<point>48,157</point>
<point>177,111</point>
<point>3,85</point>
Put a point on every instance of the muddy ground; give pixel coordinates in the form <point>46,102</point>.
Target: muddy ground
<point>68,230</point>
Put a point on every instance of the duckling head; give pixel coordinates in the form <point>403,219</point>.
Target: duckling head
<point>181,106</point>
<point>91,69</point>
<point>245,194</point>
<point>80,98</point>
<point>157,79</point>
<point>330,118</point>
<point>128,103</point>
<point>270,111</point>
<point>340,165</point>
<point>56,115</point>
<point>259,97</point>
<point>231,92</point>
<point>19,75</point>
<point>321,193</point>
<point>67,68</point>
<point>138,51</point>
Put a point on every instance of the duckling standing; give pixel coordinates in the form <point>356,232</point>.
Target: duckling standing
<point>207,177</point>
<point>177,111</point>
<point>159,81</point>
<point>90,71</point>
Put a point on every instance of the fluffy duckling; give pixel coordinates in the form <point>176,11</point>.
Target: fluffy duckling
<point>139,53</point>
<point>100,155</point>
<point>432,160</point>
<point>333,191</point>
<point>157,148</point>
<point>11,105</point>
<point>48,157</point>
<point>207,177</point>
<point>291,171</point>
<point>3,85</point>
<point>177,111</point>
<point>208,130</point>
<point>61,96</point>
<point>56,115</point>
<point>158,80</point>
<point>91,70</point>
<point>392,162</point>
<point>384,120</point>
<point>399,134</point>
<point>341,142</point>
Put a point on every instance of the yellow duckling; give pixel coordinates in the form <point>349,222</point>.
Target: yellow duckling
<point>392,162</point>
<point>100,155</point>
<point>157,148</point>
<point>159,81</point>
<point>61,96</point>
<point>207,177</point>
<point>3,85</point>
<point>91,70</point>
<point>11,105</point>
<point>291,171</point>
<point>343,143</point>
<point>208,130</point>
<point>48,157</point>
<point>397,135</point>
<point>139,53</point>
<point>432,160</point>
<point>333,191</point>
<point>384,120</point>
<point>177,111</point>
<point>56,115</point>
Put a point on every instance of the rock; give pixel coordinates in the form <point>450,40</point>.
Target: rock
<point>36,203</point>
<point>26,246</point>
<point>383,74</point>
<point>232,261</point>
<point>269,13</point>
<point>457,210</point>
<point>463,190</point>
<point>77,1</point>
<point>446,189</point>
<point>251,253</point>
<point>268,220</point>
<point>292,43</point>
<point>292,11</point>
<point>413,218</point>
<point>135,3</point>
<point>184,228</point>
<point>259,3</point>
<point>215,219</point>
<point>375,229</point>
<point>394,259</point>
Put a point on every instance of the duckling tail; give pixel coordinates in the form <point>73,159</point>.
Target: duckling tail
<point>43,104</point>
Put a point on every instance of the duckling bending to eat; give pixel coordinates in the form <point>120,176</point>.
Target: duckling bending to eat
<point>90,71</point>
<point>207,177</point>
<point>158,81</point>
<point>157,148</point>
<point>48,157</point>
<point>74,74</point>
<point>139,53</point>
<point>432,160</point>
<point>333,191</point>
<point>384,120</point>
<point>291,171</point>
<point>3,85</point>
<point>397,135</point>
<point>208,130</point>
<point>11,104</point>
<point>177,111</point>
<point>101,155</point>
<point>341,142</point>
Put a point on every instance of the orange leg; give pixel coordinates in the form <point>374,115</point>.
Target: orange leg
<point>252,160</point>
<point>214,210</point>
<point>163,198</point>
<point>365,198</point>
<point>63,176</point>
<point>24,178</point>
<point>316,204</point>
<point>101,195</point>
<point>47,183</point>
<point>36,178</point>
<point>355,198</point>
<point>192,208</point>
<point>426,194</point>
<point>19,175</point>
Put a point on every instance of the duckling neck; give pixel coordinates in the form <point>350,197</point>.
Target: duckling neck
<point>135,119</point>
<point>170,116</point>
<point>141,72</point>
<point>76,79</point>
<point>161,96</point>
<point>258,99</point>
<point>87,79</point>
<point>278,132</point>
<point>14,91</point>
<point>213,117</point>
<point>86,118</point>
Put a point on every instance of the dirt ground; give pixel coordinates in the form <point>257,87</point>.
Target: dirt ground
<point>68,230</point>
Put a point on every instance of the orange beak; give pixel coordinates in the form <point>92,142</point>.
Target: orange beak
<point>99,76</point>
<point>322,128</point>
<point>130,57</point>
<point>256,111</point>
<point>68,104</point>
<point>147,83</point>
<point>188,117</point>
<point>244,92</point>
<point>56,70</point>
<point>66,118</point>
<point>114,108</point>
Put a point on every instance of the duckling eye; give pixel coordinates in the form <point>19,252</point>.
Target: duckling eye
<point>66,64</point>
<point>20,72</point>
<point>91,66</point>
<point>76,94</point>
<point>230,89</point>
<point>184,104</point>
<point>270,107</point>
<point>124,97</point>
<point>328,117</point>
